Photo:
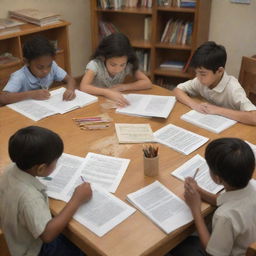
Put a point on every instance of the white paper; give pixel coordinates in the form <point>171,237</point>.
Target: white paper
<point>148,105</point>
<point>202,178</point>
<point>179,139</point>
<point>38,109</point>
<point>162,206</point>
<point>103,212</point>
<point>134,133</point>
<point>212,123</point>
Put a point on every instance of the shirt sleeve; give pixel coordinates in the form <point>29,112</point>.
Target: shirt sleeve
<point>59,73</point>
<point>92,65</point>
<point>189,87</point>
<point>36,214</point>
<point>222,237</point>
<point>15,83</point>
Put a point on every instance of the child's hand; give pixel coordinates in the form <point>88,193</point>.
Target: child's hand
<point>120,100</point>
<point>200,107</point>
<point>211,109</point>
<point>82,193</point>
<point>42,94</point>
<point>191,195</point>
<point>69,94</point>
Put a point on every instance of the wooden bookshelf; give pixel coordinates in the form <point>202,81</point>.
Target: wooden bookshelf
<point>130,21</point>
<point>13,44</point>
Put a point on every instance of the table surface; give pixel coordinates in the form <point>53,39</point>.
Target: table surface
<point>137,235</point>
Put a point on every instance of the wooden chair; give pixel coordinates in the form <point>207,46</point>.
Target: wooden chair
<point>247,77</point>
<point>251,251</point>
<point>4,251</point>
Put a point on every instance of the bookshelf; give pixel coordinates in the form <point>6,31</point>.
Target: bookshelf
<point>130,21</point>
<point>13,43</point>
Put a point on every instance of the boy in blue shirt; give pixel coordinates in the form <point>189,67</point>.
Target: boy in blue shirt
<point>231,163</point>
<point>25,216</point>
<point>225,95</point>
<point>33,80</point>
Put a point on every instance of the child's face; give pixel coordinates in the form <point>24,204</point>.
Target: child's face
<point>116,65</point>
<point>208,77</point>
<point>41,66</point>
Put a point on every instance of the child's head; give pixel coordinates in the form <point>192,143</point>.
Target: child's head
<point>230,160</point>
<point>35,146</point>
<point>116,51</point>
<point>38,53</point>
<point>209,62</point>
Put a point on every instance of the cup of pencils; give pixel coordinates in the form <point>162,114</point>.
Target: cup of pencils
<point>151,160</point>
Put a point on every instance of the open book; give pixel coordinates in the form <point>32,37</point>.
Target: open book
<point>212,123</point>
<point>38,109</point>
<point>202,178</point>
<point>104,211</point>
<point>134,133</point>
<point>148,105</point>
<point>162,206</point>
<point>179,139</point>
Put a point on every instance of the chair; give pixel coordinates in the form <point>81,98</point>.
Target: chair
<point>247,77</point>
<point>251,251</point>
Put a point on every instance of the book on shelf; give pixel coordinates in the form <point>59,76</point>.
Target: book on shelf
<point>38,109</point>
<point>203,178</point>
<point>103,211</point>
<point>212,123</point>
<point>161,206</point>
<point>7,58</point>
<point>188,3</point>
<point>148,105</point>
<point>173,65</point>
<point>35,16</point>
<point>147,28</point>
<point>186,66</point>
<point>107,28</point>
<point>8,26</point>
<point>177,3</point>
<point>143,58</point>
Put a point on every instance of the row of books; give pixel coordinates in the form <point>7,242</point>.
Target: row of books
<point>177,3</point>
<point>118,4</point>
<point>177,32</point>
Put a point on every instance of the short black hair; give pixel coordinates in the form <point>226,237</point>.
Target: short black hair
<point>232,160</point>
<point>34,145</point>
<point>37,46</point>
<point>117,45</point>
<point>210,56</point>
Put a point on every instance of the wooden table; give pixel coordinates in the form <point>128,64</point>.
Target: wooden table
<point>137,235</point>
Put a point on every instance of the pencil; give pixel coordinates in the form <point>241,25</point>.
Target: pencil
<point>194,176</point>
<point>82,179</point>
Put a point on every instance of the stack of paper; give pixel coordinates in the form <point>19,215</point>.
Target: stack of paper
<point>8,26</point>
<point>179,139</point>
<point>148,105</point>
<point>202,178</point>
<point>38,109</point>
<point>162,206</point>
<point>213,123</point>
<point>134,133</point>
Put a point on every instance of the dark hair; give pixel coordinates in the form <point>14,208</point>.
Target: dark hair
<point>34,145</point>
<point>116,45</point>
<point>232,160</point>
<point>210,56</point>
<point>36,47</point>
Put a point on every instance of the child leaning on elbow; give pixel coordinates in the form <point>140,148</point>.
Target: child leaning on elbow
<point>224,94</point>
<point>34,79</point>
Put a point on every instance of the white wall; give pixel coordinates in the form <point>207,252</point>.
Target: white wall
<point>77,12</point>
<point>234,26</point>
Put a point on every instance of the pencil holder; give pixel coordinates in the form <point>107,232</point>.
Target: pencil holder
<point>151,166</point>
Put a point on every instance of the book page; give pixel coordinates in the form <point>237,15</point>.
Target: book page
<point>202,178</point>
<point>103,212</point>
<point>134,133</point>
<point>162,206</point>
<point>212,123</point>
<point>32,109</point>
<point>148,105</point>
<point>179,139</point>
<point>104,171</point>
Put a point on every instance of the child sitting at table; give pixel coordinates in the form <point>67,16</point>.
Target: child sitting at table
<point>231,163</point>
<point>33,80</point>
<point>113,60</point>
<point>25,217</point>
<point>225,94</point>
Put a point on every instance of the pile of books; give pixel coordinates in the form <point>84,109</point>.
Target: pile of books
<point>177,32</point>
<point>35,16</point>
<point>8,26</point>
<point>177,3</point>
<point>6,58</point>
<point>178,65</point>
